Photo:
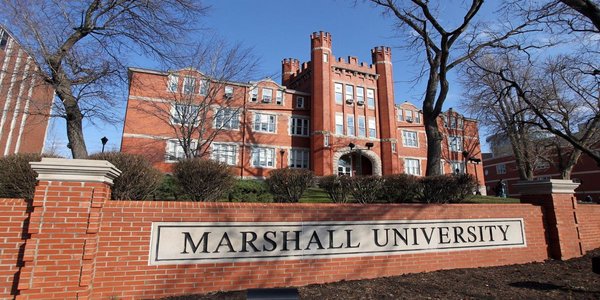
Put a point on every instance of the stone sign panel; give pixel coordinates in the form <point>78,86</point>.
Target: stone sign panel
<point>210,242</point>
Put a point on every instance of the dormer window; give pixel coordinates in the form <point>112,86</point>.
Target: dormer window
<point>172,83</point>
<point>228,92</point>
<point>267,95</point>
<point>279,97</point>
<point>189,85</point>
<point>204,85</point>
<point>254,95</point>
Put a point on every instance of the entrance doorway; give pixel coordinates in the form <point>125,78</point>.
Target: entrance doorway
<point>354,163</point>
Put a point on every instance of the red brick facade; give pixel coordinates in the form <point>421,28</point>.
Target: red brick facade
<point>585,172</point>
<point>344,101</point>
<point>80,245</point>
<point>25,100</point>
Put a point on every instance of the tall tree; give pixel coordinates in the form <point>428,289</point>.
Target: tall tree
<point>204,99</point>
<point>445,47</point>
<point>83,46</point>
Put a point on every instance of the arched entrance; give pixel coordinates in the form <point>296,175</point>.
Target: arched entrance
<point>356,162</point>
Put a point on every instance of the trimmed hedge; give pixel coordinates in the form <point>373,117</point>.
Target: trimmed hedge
<point>203,179</point>
<point>250,191</point>
<point>400,188</point>
<point>447,188</point>
<point>365,189</point>
<point>288,185</point>
<point>138,180</point>
<point>17,179</point>
<point>336,187</point>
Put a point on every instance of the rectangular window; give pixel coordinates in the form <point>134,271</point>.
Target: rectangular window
<point>412,166</point>
<point>408,114</point>
<point>362,131</point>
<point>461,123</point>
<point>501,169</point>
<point>360,95</point>
<point>264,122</point>
<point>299,126</point>
<point>173,82</point>
<point>400,115</point>
<point>189,85</point>
<point>372,129</point>
<point>3,39</point>
<point>204,85</point>
<point>184,114</point>
<point>228,92</point>
<point>458,167</point>
<point>299,102</point>
<point>254,95</point>
<point>455,143</point>
<point>174,151</point>
<point>349,93</point>
<point>263,157</point>
<point>299,159</point>
<point>339,124</point>
<point>371,98</point>
<point>227,118</point>
<point>267,95</point>
<point>225,153</point>
<point>339,93</point>
<point>279,97</point>
<point>452,122</point>
<point>326,140</point>
<point>409,139</point>
<point>350,124</point>
<point>417,117</point>
<point>393,147</point>
<point>325,57</point>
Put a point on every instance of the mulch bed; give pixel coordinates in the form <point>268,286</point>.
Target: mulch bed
<point>571,279</point>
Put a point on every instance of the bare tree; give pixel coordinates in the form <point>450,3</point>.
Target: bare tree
<point>205,98</point>
<point>445,48</point>
<point>82,47</point>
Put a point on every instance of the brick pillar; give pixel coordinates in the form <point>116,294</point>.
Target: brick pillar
<point>60,255</point>
<point>557,199</point>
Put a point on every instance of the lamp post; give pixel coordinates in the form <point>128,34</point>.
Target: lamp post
<point>476,162</point>
<point>282,152</point>
<point>104,140</point>
<point>351,146</point>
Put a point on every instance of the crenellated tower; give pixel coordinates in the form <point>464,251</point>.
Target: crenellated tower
<point>382,59</point>
<point>289,67</point>
<point>321,109</point>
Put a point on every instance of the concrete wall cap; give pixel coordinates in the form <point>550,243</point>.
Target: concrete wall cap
<point>81,170</point>
<point>545,187</point>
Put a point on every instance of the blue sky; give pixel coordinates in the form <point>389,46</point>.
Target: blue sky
<point>281,29</point>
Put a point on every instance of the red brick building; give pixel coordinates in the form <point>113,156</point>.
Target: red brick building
<point>501,165</point>
<point>331,115</point>
<point>25,100</point>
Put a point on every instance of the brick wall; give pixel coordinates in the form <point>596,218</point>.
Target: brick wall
<point>588,216</point>
<point>122,268</point>
<point>13,218</point>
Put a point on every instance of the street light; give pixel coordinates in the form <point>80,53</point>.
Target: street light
<point>351,146</point>
<point>476,162</point>
<point>282,152</point>
<point>104,140</point>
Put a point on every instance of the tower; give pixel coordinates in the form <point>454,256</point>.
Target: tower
<point>382,59</point>
<point>321,111</point>
<point>289,67</point>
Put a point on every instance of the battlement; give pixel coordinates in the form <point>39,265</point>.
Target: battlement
<point>353,65</point>
<point>320,39</point>
<point>381,54</point>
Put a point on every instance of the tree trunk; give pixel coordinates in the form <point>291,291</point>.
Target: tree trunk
<point>74,120</point>
<point>434,145</point>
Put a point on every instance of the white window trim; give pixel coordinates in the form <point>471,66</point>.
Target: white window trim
<point>173,78</point>
<point>414,159</point>
<point>404,144</point>
<point>298,102</point>
<point>236,156</point>
<point>237,111</point>
<point>339,115</point>
<point>260,131</point>
<point>168,142</point>
<point>367,98</point>
<point>306,150</point>
<point>348,127</point>
<point>174,111</point>
<point>290,131</point>
<point>263,167</point>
